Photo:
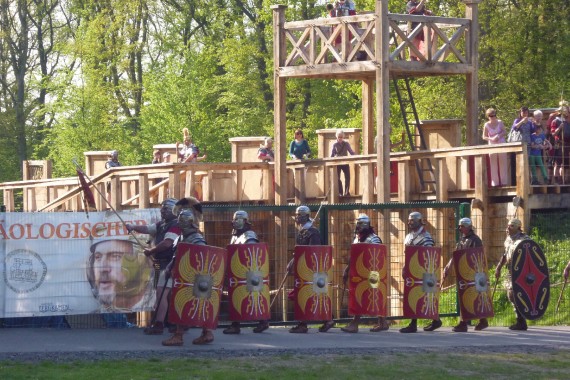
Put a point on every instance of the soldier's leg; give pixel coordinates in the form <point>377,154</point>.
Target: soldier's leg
<point>352,327</point>
<point>483,324</point>
<point>206,337</point>
<point>411,328</point>
<point>382,325</point>
<point>233,329</point>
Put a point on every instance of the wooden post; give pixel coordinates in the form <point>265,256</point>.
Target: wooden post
<point>144,200</point>
<point>523,186</point>
<point>279,56</point>
<point>382,101</point>
<point>481,191</point>
<point>472,78</point>
<point>368,116</point>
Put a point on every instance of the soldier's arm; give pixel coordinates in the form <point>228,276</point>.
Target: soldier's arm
<point>162,246</point>
<point>142,229</point>
<point>567,271</point>
<point>500,266</point>
<point>447,268</point>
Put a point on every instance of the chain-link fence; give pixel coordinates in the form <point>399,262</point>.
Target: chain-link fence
<point>275,226</point>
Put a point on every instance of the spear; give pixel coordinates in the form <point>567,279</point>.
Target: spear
<point>108,203</point>
<point>561,293</point>
<point>279,289</point>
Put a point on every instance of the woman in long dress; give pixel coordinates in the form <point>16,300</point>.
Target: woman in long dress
<point>494,133</point>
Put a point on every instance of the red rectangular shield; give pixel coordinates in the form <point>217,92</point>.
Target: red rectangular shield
<point>368,280</point>
<point>248,282</point>
<point>197,279</point>
<point>313,280</point>
<point>422,282</point>
<point>473,287</point>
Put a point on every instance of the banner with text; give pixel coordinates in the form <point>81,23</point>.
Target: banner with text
<point>66,263</point>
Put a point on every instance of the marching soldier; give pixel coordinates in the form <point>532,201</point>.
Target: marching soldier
<point>243,234</point>
<point>514,235</point>
<point>187,220</point>
<point>364,233</point>
<point>165,233</point>
<point>307,235</point>
<point>468,239</point>
<point>418,236</point>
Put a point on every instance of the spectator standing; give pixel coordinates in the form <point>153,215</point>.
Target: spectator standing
<point>341,148</point>
<point>538,144</point>
<point>156,157</point>
<point>560,128</point>
<point>494,133</point>
<point>299,148</point>
<point>418,8</point>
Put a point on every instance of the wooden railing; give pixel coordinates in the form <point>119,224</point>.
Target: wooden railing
<point>352,38</point>
<point>460,173</point>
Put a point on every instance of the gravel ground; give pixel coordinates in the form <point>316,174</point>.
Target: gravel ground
<point>93,356</point>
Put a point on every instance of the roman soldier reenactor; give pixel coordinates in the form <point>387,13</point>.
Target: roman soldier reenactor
<point>165,233</point>
<point>364,233</point>
<point>418,236</point>
<point>307,235</point>
<point>242,233</point>
<point>468,239</point>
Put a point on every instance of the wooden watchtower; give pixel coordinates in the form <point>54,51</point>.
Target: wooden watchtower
<point>372,48</point>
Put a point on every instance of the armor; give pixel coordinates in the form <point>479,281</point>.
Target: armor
<point>248,282</point>
<point>248,237</point>
<point>421,282</point>
<point>368,279</point>
<point>473,285</point>
<point>309,236</point>
<point>197,278</point>
<point>372,238</point>
<point>470,240</point>
<point>421,238</point>
<point>163,258</point>
<point>312,290</point>
<point>195,237</point>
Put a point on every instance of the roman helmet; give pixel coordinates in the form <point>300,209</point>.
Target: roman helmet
<point>466,222</point>
<point>166,209</point>
<point>302,215</point>
<point>416,218</point>
<point>189,203</point>
<point>362,223</point>
<point>187,221</point>
<point>240,220</point>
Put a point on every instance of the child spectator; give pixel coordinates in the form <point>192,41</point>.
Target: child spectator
<point>538,143</point>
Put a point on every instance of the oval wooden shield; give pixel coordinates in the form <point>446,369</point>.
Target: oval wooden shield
<point>197,280</point>
<point>312,291</point>
<point>248,282</point>
<point>531,285</point>
<point>473,286</point>
<point>367,280</point>
<point>422,282</point>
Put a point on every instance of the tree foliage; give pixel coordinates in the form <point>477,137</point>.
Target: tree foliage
<point>84,75</point>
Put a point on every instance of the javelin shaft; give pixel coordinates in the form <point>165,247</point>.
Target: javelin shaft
<point>560,296</point>
<point>109,204</point>
<point>279,289</point>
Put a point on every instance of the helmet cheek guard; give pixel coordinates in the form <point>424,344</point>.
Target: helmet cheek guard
<point>302,215</point>
<point>239,220</point>
<point>186,221</point>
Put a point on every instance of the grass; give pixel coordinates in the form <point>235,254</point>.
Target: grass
<point>429,365</point>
